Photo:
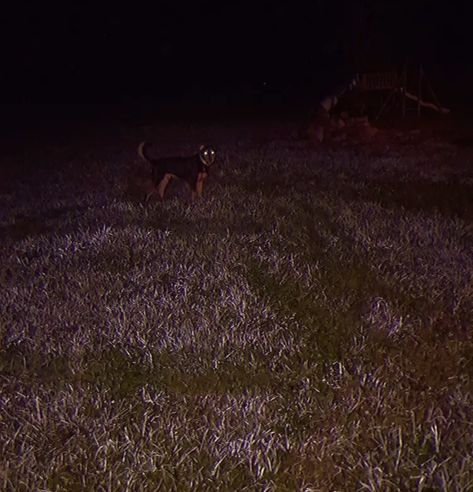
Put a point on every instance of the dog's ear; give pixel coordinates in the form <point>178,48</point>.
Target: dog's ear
<point>201,148</point>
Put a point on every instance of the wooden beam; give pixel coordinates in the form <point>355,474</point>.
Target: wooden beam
<point>425,104</point>
<point>404,87</point>
<point>419,90</point>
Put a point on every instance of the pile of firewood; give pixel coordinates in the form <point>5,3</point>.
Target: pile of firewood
<point>341,127</point>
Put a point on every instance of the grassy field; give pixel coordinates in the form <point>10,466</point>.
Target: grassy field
<point>306,326</point>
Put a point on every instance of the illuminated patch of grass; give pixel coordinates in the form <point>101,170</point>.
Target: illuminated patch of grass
<point>298,329</point>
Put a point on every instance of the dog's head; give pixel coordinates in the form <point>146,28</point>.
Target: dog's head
<point>206,155</point>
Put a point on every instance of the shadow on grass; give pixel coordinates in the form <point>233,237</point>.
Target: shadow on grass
<point>33,225</point>
<point>31,366</point>
<point>117,372</point>
<point>122,376</point>
<point>451,199</point>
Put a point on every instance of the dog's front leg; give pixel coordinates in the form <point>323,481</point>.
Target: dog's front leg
<point>199,187</point>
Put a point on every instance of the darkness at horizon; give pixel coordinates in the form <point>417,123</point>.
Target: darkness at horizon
<point>86,52</point>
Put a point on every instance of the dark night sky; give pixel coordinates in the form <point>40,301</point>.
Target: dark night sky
<point>91,51</point>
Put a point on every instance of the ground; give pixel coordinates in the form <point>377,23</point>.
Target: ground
<point>305,326</point>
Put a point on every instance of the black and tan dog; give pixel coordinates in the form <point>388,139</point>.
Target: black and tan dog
<point>193,170</point>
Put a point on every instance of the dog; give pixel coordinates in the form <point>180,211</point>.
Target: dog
<point>193,170</point>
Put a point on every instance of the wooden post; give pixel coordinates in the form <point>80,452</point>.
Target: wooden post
<point>432,93</point>
<point>384,105</point>
<point>404,88</point>
<point>419,90</point>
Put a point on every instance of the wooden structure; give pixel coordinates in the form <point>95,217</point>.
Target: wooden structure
<point>395,86</point>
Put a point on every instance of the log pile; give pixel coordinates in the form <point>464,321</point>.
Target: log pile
<point>340,127</point>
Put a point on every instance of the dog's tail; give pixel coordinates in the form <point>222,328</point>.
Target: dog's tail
<point>142,152</point>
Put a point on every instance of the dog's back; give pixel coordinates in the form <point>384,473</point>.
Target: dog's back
<point>180,166</point>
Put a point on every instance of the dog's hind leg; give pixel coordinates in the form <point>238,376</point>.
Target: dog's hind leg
<point>163,183</point>
<point>150,194</point>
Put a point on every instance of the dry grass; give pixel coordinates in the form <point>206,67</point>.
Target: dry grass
<point>307,326</point>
